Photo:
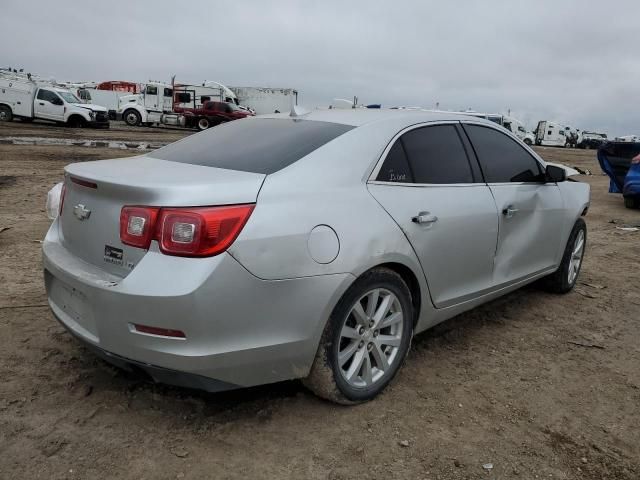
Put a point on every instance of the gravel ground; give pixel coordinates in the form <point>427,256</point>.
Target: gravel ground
<point>534,384</point>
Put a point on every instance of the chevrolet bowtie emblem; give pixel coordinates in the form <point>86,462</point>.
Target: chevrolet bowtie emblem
<point>81,212</point>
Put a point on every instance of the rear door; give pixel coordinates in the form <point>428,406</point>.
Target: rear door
<point>530,210</point>
<point>433,191</point>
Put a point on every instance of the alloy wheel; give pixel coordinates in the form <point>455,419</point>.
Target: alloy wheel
<point>370,338</point>
<point>576,257</point>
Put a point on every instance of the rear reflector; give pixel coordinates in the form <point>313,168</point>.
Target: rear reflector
<point>163,332</point>
<point>84,183</point>
<point>186,232</point>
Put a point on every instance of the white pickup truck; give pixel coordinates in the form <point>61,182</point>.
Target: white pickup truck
<point>26,99</point>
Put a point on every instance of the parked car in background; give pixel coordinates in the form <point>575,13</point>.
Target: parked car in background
<point>621,162</point>
<point>309,246</point>
<point>23,98</point>
<point>628,138</point>
<point>212,114</point>
<point>590,140</point>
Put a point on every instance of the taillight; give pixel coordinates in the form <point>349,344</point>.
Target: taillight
<point>137,226</point>
<point>63,192</point>
<point>188,232</point>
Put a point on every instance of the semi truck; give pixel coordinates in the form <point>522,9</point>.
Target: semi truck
<point>552,134</point>
<point>157,102</point>
<point>25,98</point>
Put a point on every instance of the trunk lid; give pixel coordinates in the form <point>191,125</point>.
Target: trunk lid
<point>90,220</point>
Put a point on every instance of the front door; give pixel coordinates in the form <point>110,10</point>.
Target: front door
<point>433,191</point>
<point>48,105</point>
<point>530,210</point>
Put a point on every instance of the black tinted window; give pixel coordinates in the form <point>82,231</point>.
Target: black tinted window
<point>436,155</point>
<point>502,159</point>
<point>47,95</point>
<point>395,167</point>
<point>151,90</point>
<point>253,145</point>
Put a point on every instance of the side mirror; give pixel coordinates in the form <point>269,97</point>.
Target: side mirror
<point>556,174</point>
<point>57,101</point>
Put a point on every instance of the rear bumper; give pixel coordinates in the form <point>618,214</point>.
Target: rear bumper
<point>240,330</point>
<point>155,373</point>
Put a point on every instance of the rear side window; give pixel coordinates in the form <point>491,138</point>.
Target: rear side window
<point>502,159</point>
<point>259,145</point>
<point>47,95</point>
<point>396,166</point>
<point>436,155</point>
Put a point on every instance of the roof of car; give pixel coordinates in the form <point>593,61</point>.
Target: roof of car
<point>361,116</point>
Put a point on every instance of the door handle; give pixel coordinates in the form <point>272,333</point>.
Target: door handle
<point>509,211</point>
<point>424,218</point>
<point>41,103</point>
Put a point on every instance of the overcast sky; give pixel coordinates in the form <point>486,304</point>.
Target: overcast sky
<point>545,60</point>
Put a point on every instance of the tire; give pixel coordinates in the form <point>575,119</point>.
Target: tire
<point>203,123</point>
<point>359,377</point>
<point>132,118</point>
<point>6,115</point>
<point>75,121</point>
<point>561,281</point>
<point>632,202</point>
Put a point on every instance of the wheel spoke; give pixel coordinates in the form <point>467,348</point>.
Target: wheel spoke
<point>359,315</point>
<point>395,317</point>
<point>578,249</point>
<point>367,374</point>
<point>372,302</point>
<point>388,340</point>
<point>379,356</point>
<point>347,353</point>
<point>348,332</point>
<point>383,309</point>
<point>356,364</point>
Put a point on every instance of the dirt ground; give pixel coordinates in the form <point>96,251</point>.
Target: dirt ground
<point>501,385</point>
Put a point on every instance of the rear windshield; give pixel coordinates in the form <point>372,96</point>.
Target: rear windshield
<point>259,145</point>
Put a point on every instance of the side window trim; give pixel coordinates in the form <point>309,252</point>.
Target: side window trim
<point>372,178</point>
<point>541,166</point>
<point>476,169</point>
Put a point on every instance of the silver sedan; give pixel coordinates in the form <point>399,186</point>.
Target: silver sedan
<point>308,246</point>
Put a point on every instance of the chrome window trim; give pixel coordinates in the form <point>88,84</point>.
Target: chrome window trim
<point>372,177</point>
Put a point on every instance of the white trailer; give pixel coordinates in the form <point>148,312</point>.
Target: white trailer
<point>551,134</point>
<point>266,100</point>
<point>195,96</point>
<point>27,99</point>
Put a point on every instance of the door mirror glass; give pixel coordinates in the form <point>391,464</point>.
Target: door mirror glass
<point>556,174</point>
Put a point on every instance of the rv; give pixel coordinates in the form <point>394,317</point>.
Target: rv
<point>266,100</point>
<point>23,97</point>
<point>551,134</point>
